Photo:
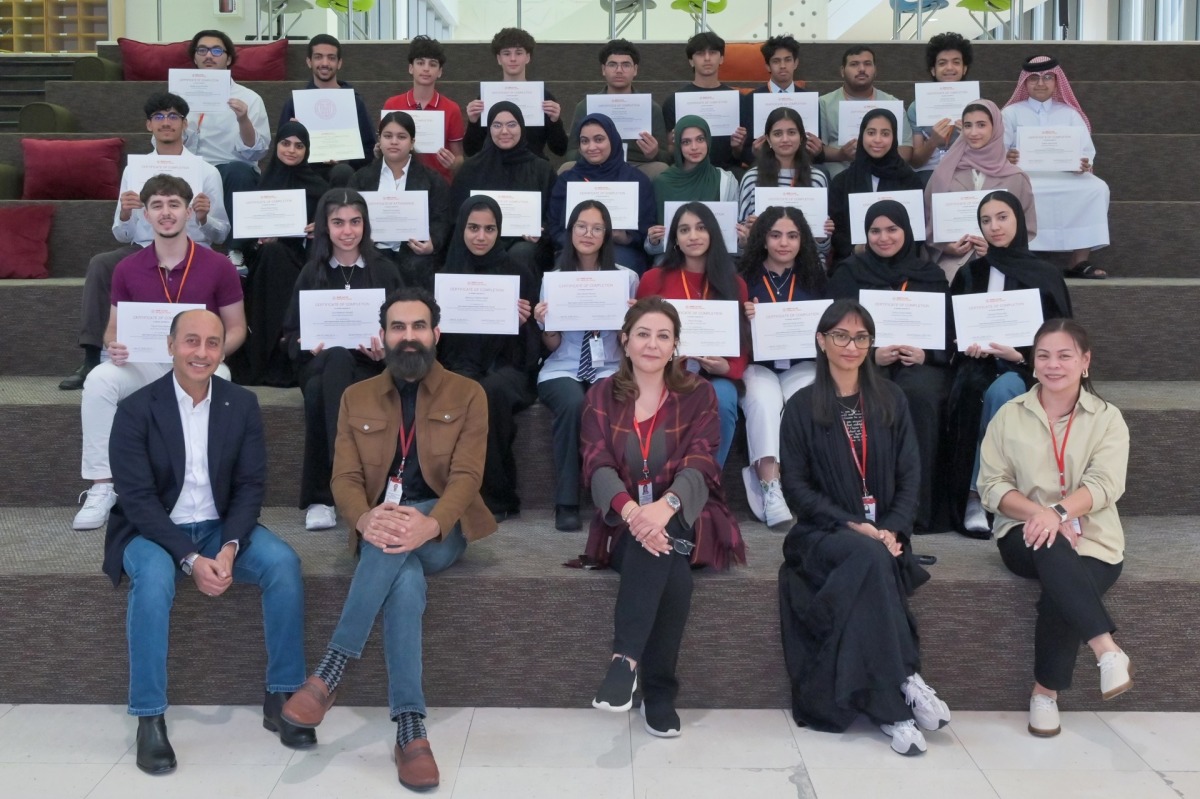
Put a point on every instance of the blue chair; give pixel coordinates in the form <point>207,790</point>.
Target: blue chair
<point>918,10</point>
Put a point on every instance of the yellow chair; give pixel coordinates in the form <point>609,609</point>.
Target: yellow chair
<point>986,7</point>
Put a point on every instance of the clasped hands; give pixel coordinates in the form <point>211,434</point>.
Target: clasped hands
<point>1043,526</point>
<point>885,537</point>
<point>648,524</point>
<point>213,576</point>
<point>397,528</point>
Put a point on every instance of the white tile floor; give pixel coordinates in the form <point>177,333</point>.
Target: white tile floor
<point>75,751</point>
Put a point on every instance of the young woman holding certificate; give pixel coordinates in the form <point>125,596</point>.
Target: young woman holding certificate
<point>649,434</point>
<point>780,264</point>
<point>396,170</point>
<point>578,358</point>
<point>892,262</point>
<point>850,466</point>
<point>1053,469</point>
<point>697,266</point>
<point>985,379</point>
<point>342,256</point>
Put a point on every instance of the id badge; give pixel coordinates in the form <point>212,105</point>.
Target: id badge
<point>597,345</point>
<point>869,508</point>
<point>395,490</point>
<point>1076,526</point>
<point>692,365</point>
<point>783,366</point>
<point>645,492</point>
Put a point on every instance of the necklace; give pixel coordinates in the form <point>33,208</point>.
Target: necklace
<point>346,274</point>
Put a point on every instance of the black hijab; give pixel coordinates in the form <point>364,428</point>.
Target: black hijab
<point>516,169</point>
<point>459,258</point>
<point>278,176</point>
<point>889,167</point>
<point>870,268</point>
<point>1016,260</point>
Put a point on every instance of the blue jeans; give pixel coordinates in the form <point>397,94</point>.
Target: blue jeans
<point>395,583</point>
<point>1005,387</point>
<point>266,561</point>
<point>727,409</point>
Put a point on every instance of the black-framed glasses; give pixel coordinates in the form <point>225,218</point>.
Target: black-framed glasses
<point>841,338</point>
<point>214,51</point>
<point>680,545</point>
<point>159,117</point>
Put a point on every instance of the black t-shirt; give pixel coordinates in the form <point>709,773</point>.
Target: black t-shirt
<point>415,487</point>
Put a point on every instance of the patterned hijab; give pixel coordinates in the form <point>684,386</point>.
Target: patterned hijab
<point>991,159</point>
<point>1062,87</point>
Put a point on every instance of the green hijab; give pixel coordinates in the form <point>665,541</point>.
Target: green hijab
<point>701,183</point>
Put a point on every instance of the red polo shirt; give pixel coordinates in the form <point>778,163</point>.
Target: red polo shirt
<point>455,129</point>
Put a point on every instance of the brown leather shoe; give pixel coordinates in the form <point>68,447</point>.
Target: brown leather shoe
<point>416,767</point>
<point>307,707</point>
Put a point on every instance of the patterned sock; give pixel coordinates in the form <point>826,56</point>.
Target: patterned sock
<point>410,726</point>
<point>331,667</point>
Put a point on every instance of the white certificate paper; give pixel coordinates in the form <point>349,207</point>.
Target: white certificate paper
<point>206,90</point>
<point>955,214</point>
<point>726,213</point>
<point>913,201</point>
<point>812,202</point>
<point>1001,317</point>
<point>708,328</point>
<point>805,104</point>
<point>143,328</point>
<point>938,101</point>
<point>1050,149</point>
<point>269,214</point>
<point>721,109</point>
<point>484,304</point>
<point>629,112</point>
<point>586,300</point>
<point>345,318</point>
<point>331,117</point>
<point>521,211</point>
<point>851,113</point>
<point>914,318</point>
<point>431,129</point>
<point>786,330</point>
<point>140,168</point>
<point>528,95</point>
<point>398,215</point>
<point>620,197</point>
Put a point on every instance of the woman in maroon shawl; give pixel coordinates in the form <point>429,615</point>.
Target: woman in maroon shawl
<point>649,436</point>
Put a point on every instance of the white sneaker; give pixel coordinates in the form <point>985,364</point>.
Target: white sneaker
<point>975,519</point>
<point>1116,674</point>
<point>1043,716</point>
<point>754,492</point>
<point>94,513</point>
<point>320,517</point>
<point>774,505</point>
<point>930,712</point>
<point>907,740</point>
<point>239,260</point>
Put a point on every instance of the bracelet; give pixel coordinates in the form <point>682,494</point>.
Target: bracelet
<point>625,518</point>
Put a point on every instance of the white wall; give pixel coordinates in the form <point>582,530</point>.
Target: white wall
<point>182,18</point>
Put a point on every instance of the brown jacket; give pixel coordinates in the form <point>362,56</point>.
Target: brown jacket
<point>451,428</point>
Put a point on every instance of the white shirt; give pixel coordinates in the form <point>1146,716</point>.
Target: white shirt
<point>217,138</point>
<point>791,89</point>
<point>995,280</point>
<point>390,183</point>
<point>214,230</point>
<point>196,503</point>
<point>1049,114</point>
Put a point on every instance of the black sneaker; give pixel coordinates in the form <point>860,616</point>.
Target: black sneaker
<point>75,381</point>
<point>661,721</point>
<point>566,518</point>
<point>616,692</point>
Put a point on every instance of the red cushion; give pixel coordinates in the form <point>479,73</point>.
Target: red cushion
<point>145,61</point>
<point>61,169</point>
<point>24,230</point>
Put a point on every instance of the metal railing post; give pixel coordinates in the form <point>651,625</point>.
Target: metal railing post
<point>612,19</point>
<point>519,4</point>
<point>895,21</point>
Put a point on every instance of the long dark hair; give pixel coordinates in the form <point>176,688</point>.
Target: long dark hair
<point>568,260</point>
<point>1079,335</point>
<point>718,264</point>
<point>810,275</point>
<point>677,378</point>
<point>321,249</point>
<point>826,409</point>
<point>768,162</point>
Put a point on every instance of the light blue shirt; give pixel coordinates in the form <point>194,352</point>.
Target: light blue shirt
<point>564,361</point>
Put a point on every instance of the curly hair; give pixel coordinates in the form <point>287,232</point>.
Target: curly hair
<point>810,275</point>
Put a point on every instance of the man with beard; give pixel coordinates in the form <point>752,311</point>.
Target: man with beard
<point>858,83</point>
<point>407,467</point>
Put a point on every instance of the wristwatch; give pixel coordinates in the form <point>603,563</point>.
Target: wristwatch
<point>188,563</point>
<point>673,501</point>
<point>1063,515</point>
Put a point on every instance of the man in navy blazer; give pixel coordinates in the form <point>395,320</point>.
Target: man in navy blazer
<point>189,463</point>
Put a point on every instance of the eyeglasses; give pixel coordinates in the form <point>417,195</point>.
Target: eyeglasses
<point>619,66</point>
<point>583,229</point>
<point>159,117</point>
<point>841,338</point>
<point>1041,77</point>
<point>498,126</point>
<point>680,545</point>
<point>214,51</point>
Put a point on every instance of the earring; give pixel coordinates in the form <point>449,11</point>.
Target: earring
<point>1085,374</point>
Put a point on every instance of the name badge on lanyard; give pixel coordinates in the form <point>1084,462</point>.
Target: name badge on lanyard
<point>597,350</point>
<point>1060,460</point>
<point>395,486</point>
<point>645,487</point>
<point>868,501</point>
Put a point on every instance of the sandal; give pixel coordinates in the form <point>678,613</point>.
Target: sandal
<point>1086,271</point>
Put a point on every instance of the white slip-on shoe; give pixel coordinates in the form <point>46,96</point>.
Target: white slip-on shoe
<point>907,740</point>
<point>1116,674</point>
<point>754,492</point>
<point>100,499</point>
<point>775,507</point>
<point>1043,716</point>
<point>320,517</point>
<point>975,519</point>
<point>930,712</point>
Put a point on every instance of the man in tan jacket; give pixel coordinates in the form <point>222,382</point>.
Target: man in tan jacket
<point>407,466</point>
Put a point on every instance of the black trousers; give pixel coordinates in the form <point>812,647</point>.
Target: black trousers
<point>1071,607</point>
<point>925,387</point>
<point>507,393</point>
<point>97,294</point>
<point>653,602</point>
<point>564,396</point>
<point>415,270</point>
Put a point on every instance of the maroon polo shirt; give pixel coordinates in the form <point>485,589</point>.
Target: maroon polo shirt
<point>212,279</point>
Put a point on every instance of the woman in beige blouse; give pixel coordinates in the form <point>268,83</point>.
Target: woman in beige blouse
<point>1052,469</point>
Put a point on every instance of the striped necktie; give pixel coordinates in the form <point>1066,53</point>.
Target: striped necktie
<point>587,370</point>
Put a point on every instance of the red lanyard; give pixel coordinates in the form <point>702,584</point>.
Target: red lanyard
<point>407,437</point>
<point>186,270</point>
<point>644,443</point>
<point>774,294</point>
<point>687,290</point>
<point>904,286</point>
<point>1060,455</point>
<point>860,464</point>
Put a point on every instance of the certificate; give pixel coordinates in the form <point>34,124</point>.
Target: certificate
<point>620,197</point>
<point>938,101</point>
<point>528,95</point>
<point>340,318</point>
<point>726,214</point>
<point>1001,317</point>
<point>398,215</point>
<point>431,129</point>
<point>629,112</point>
<point>915,318</point>
<point>206,90</point>
<point>786,330</point>
<point>805,104</point>
<point>586,300</point>
<point>955,214</point>
<point>143,328</point>
<point>851,113</point>
<point>140,168</point>
<point>721,109</point>
<point>708,328</point>
<point>1050,149</point>
<point>331,116</point>
<point>269,214</point>
<point>913,201</point>
<point>522,211</point>
<point>812,202</point>
<point>484,304</point>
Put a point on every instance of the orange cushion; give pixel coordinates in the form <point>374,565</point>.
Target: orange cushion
<point>146,61</point>
<point>744,61</point>
<point>25,229</point>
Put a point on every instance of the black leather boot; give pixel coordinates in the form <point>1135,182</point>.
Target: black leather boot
<point>290,735</point>
<point>154,752</point>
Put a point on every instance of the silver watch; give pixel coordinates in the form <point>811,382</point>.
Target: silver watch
<point>1063,515</point>
<point>673,501</point>
<point>188,563</point>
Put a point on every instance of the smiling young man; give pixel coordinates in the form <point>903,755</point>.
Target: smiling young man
<point>426,61</point>
<point>706,53</point>
<point>948,58</point>
<point>858,83</point>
